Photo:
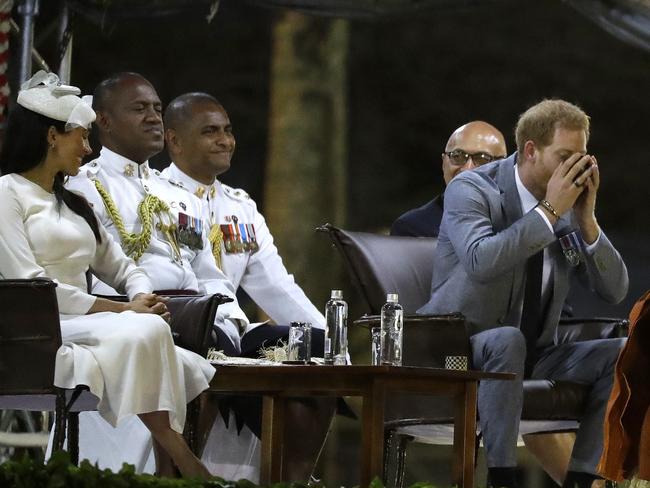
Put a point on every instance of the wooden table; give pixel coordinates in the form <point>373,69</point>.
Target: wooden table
<point>372,383</point>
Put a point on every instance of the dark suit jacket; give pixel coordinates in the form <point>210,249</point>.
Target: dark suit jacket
<point>423,221</point>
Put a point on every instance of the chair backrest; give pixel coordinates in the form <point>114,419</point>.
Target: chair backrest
<point>380,264</point>
<point>30,335</point>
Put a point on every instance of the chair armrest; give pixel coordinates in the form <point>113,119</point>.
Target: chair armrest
<point>428,340</point>
<point>114,298</point>
<point>370,321</point>
<point>192,317</point>
<point>576,329</point>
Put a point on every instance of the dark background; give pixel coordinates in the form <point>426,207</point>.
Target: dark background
<point>412,81</point>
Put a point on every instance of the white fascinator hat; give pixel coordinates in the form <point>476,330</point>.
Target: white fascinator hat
<point>44,94</point>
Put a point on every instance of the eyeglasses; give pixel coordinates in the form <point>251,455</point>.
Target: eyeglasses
<point>458,157</point>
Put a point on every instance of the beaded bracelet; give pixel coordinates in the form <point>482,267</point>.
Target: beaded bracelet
<point>549,207</point>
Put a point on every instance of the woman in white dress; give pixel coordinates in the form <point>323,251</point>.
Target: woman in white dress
<point>123,352</point>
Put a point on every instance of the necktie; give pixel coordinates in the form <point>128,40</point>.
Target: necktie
<point>531,314</point>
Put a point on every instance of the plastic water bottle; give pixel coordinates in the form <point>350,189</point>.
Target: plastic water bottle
<point>392,319</point>
<point>336,331</point>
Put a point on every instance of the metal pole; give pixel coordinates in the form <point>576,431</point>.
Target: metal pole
<point>28,9</point>
<point>36,57</point>
<point>65,39</point>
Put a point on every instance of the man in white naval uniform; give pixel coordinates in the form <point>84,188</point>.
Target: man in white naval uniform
<point>120,179</point>
<point>201,143</point>
<point>125,193</point>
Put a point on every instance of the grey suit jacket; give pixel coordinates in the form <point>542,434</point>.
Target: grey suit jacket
<point>483,246</point>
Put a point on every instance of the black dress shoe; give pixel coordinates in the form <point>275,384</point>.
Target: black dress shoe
<point>576,479</point>
<point>502,478</point>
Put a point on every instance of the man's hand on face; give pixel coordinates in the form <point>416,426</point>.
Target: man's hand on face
<point>574,184</point>
<point>568,182</point>
<point>585,206</point>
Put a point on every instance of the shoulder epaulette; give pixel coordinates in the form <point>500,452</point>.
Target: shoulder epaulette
<point>236,193</point>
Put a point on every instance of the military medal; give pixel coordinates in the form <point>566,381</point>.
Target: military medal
<point>247,232</point>
<point>228,238</point>
<point>238,238</point>
<point>571,246</point>
<point>190,230</point>
<point>239,245</point>
<point>244,237</point>
<point>252,244</point>
<point>182,227</point>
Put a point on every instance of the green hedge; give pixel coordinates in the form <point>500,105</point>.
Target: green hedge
<point>59,473</point>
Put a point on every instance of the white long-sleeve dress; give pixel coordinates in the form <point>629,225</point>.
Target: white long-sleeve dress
<point>128,360</point>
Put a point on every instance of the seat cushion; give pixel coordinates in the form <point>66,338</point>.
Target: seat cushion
<point>443,433</point>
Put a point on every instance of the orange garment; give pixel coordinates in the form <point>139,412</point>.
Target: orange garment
<point>627,421</point>
<point>644,448</point>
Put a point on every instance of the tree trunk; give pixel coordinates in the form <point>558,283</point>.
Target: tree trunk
<point>305,175</point>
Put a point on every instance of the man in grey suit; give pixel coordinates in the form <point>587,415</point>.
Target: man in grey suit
<point>499,262</point>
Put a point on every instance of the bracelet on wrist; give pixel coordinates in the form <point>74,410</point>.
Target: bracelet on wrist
<point>549,207</point>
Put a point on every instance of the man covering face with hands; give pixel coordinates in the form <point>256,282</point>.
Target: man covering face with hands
<point>500,262</point>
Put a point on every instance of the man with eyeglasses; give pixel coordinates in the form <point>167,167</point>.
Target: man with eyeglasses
<point>470,146</point>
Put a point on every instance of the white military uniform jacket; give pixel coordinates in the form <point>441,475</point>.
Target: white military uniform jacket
<point>182,267</point>
<point>248,256</point>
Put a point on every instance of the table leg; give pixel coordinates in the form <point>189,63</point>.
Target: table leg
<point>272,439</point>
<point>372,434</point>
<point>465,436</point>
